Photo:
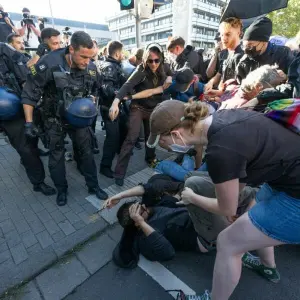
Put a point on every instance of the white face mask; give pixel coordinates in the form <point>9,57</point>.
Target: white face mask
<point>180,148</point>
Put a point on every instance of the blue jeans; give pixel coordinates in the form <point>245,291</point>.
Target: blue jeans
<point>277,215</point>
<point>176,171</point>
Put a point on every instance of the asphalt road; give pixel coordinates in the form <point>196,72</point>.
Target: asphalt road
<point>112,283</point>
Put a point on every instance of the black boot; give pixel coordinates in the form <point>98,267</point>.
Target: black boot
<point>44,189</point>
<point>106,171</point>
<point>61,199</point>
<point>100,194</point>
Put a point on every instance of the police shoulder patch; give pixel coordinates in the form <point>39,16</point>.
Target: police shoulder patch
<point>42,67</point>
<point>33,70</point>
<point>92,72</point>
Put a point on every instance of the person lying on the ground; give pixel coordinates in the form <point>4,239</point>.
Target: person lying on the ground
<point>156,227</point>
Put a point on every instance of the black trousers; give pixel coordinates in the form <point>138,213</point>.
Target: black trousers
<point>82,139</point>
<point>116,132</point>
<point>26,148</point>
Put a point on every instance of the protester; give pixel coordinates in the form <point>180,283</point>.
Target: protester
<point>233,161</point>
<point>230,31</point>
<point>150,74</point>
<point>137,57</point>
<point>259,52</point>
<point>181,55</point>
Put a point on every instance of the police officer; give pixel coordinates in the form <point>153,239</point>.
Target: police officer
<point>116,131</point>
<point>60,78</point>
<point>13,70</point>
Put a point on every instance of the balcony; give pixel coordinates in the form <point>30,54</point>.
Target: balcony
<point>204,23</point>
<point>197,4</point>
<point>127,35</point>
<point>202,37</point>
<point>157,28</point>
<point>164,11</point>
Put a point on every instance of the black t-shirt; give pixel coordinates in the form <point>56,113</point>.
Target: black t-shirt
<point>249,146</point>
<point>228,66</point>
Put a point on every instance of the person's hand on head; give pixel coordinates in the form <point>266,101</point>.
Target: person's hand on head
<point>187,196</point>
<point>135,213</point>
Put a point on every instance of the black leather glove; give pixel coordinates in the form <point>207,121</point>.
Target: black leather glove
<point>31,130</point>
<point>42,49</point>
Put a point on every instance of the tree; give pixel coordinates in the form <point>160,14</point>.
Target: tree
<point>286,21</point>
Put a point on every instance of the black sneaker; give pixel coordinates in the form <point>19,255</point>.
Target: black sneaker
<point>44,189</point>
<point>119,181</point>
<point>61,198</point>
<point>106,171</point>
<point>100,194</point>
<point>152,163</point>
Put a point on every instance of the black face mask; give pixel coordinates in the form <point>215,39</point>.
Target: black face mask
<point>252,52</point>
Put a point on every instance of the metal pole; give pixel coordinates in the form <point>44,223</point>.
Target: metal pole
<point>51,13</point>
<point>137,25</point>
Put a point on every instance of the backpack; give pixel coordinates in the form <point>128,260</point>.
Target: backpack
<point>285,112</point>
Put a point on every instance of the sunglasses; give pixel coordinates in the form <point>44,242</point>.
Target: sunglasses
<point>151,61</point>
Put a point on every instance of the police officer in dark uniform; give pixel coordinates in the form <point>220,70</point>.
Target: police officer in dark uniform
<point>61,78</point>
<point>259,51</point>
<point>116,131</point>
<point>13,72</point>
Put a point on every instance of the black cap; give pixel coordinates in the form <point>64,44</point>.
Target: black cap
<point>183,79</point>
<point>259,30</point>
<point>25,9</point>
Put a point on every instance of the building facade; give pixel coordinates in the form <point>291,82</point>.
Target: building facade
<point>99,32</point>
<point>197,21</point>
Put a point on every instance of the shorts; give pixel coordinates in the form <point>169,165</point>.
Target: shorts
<point>277,215</point>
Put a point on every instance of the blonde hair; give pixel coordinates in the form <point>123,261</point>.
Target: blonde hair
<point>193,113</point>
<point>233,22</point>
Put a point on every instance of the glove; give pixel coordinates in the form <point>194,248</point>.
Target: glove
<point>31,130</point>
<point>42,49</point>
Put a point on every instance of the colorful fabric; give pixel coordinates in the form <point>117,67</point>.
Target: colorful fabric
<point>286,112</point>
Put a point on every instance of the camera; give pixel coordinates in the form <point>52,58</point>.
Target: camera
<point>67,31</point>
<point>28,19</point>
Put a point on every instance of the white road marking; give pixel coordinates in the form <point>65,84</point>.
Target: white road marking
<point>166,279</point>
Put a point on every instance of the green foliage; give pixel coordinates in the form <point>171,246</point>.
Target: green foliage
<point>286,22</point>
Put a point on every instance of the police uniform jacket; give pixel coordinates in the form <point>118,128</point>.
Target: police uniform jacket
<point>113,79</point>
<point>52,76</point>
<point>12,68</point>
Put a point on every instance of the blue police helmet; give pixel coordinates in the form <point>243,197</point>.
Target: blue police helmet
<point>10,104</point>
<point>81,112</point>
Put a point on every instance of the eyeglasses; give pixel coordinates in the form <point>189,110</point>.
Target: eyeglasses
<point>151,61</point>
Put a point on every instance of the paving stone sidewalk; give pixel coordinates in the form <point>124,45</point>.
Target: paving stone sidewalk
<point>34,231</point>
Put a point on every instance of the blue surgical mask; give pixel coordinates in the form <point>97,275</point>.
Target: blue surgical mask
<point>179,148</point>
